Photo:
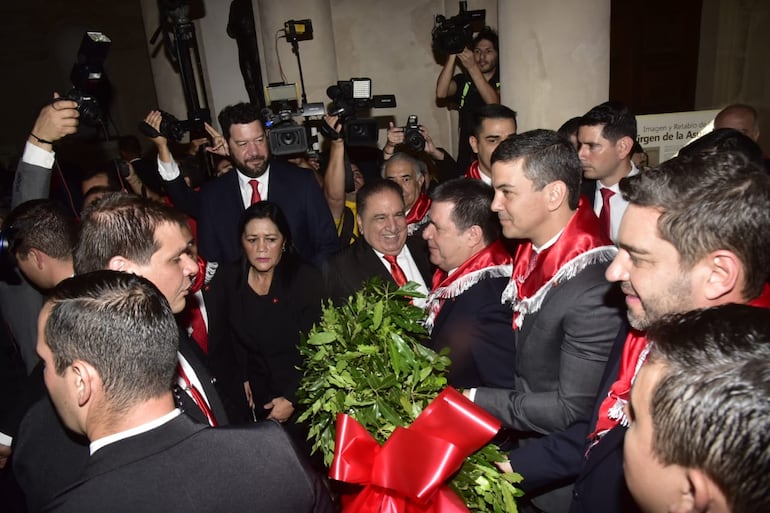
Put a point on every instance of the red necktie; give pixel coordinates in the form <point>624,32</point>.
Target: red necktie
<point>395,270</point>
<point>196,396</point>
<point>604,215</point>
<point>255,196</point>
<point>198,327</point>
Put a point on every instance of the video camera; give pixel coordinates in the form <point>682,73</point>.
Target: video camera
<point>285,135</point>
<point>88,79</point>
<point>455,34</point>
<point>349,97</point>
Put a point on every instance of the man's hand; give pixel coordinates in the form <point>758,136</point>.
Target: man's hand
<point>505,466</point>
<point>395,137</point>
<point>56,120</point>
<point>430,148</point>
<point>281,409</point>
<point>153,119</point>
<point>468,60</point>
<point>218,142</point>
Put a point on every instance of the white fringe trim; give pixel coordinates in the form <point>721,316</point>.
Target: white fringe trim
<point>566,272</point>
<point>459,286</point>
<point>413,227</point>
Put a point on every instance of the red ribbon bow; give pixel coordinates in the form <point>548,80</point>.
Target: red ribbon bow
<point>407,473</point>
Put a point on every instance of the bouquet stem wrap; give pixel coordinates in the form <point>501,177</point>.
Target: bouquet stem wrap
<point>407,474</point>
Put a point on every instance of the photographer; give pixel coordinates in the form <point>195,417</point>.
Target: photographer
<point>478,85</point>
<point>341,201</point>
<point>445,165</point>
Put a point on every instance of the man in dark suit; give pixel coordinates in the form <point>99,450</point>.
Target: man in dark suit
<point>606,137</point>
<point>563,310</point>
<point>219,204</point>
<point>111,385</point>
<point>465,313</point>
<point>126,233</point>
<point>669,261</point>
<point>382,225</point>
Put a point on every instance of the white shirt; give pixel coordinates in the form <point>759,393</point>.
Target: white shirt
<point>138,430</point>
<point>245,186</point>
<point>406,263</point>
<point>37,156</point>
<point>170,171</point>
<point>618,205</point>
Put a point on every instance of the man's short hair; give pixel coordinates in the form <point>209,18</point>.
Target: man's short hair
<point>42,224</point>
<point>472,205</point>
<point>489,34</point>
<point>710,202</point>
<point>369,189</point>
<point>121,224</point>
<point>726,139</point>
<point>616,119</point>
<point>418,165</point>
<point>239,114</point>
<point>570,127</point>
<point>121,325</point>
<point>491,111</point>
<point>711,409</point>
<point>547,157</point>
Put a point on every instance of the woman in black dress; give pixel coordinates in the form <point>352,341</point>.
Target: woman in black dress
<point>259,307</point>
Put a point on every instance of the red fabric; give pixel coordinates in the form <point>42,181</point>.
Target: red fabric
<point>630,363</point>
<point>419,209</point>
<point>407,473</point>
<point>192,316</point>
<point>493,255</point>
<point>604,215</point>
<point>473,171</point>
<point>581,234</point>
<point>255,196</point>
<point>395,270</point>
<point>197,396</point>
<point>635,343</point>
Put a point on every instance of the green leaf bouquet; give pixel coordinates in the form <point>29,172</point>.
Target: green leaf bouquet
<point>365,359</point>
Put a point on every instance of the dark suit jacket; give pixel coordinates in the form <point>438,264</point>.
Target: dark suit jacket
<point>345,273</point>
<point>47,456</point>
<point>218,208</point>
<point>477,329</point>
<point>559,458</point>
<point>189,468</point>
<point>561,352</point>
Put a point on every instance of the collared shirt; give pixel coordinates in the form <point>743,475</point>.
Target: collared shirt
<point>406,262</point>
<point>37,156</point>
<point>170,171</point>
<point>194,381</point>
<point>138,430</point>
<point>245,186</point>
<point>618,205</point>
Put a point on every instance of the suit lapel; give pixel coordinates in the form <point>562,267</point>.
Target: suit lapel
<point>195,358</point>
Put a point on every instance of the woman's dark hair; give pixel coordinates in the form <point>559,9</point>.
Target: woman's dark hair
<point>269,210</point>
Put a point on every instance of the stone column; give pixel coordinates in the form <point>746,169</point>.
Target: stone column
<point>555,59</point>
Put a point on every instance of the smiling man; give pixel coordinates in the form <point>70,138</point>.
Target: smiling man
<point>464,309</point>
<point>696,234</point>
<point>564,316</point>
<point>382,250</point>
